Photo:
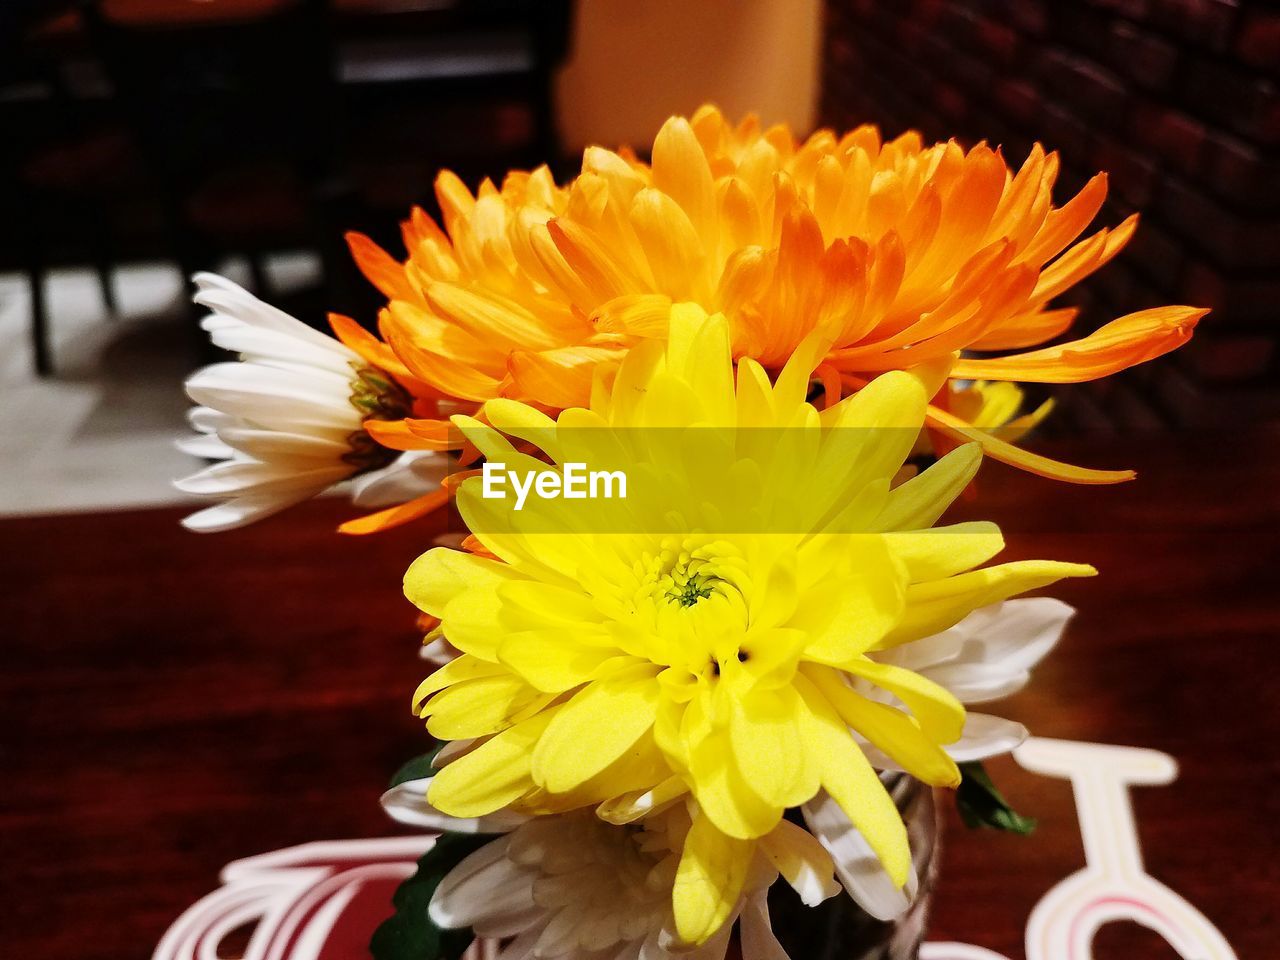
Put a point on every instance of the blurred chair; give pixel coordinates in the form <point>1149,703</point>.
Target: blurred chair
<point>232,105</point>
<point>65,168</point>
<point>427,84</point>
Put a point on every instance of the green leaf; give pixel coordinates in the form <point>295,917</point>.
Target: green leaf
<point>410,934</point>
<point>416,769</point>
<point>982,805</point>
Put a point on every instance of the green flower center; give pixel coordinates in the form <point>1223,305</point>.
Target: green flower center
<point>696,586</point>
<point>378,397</point>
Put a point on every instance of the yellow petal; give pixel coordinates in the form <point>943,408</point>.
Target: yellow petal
<point>854,785</point>
<point>939,552</point>
<point>479,707</point>
<point>764,732</point>
<point>713,868</point>
<point>997,449</point>
<point>439,575</point>
<point>552,660</point>
<point>897,734</point>
<point>595,728</point>
<point>491,776</point>
<point>853,607</point>
<point>457,670</point>
<point>936,605</point>
<point>630,807</point>
<point>939,713</point>
<point>920,501</point>
<point>524,422</point>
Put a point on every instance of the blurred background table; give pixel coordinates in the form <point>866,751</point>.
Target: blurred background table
<point>173,702</point>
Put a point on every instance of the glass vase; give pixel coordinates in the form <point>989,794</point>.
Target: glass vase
<point>840,929</point>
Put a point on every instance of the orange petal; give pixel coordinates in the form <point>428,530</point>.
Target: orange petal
<point>1085,258</point>
<point>1066,223</point>
<point>1027,330</point>
<point>371,349</point>
<point>412,434</point>
<point>635,315</point>
<point>394,516</point>
<point>381,269</point>
<point>420,228</point>
<point>1120,344</point>
<point>830,378</point>
<point>997,449</point>
<point>375,352</point>
<point>602,275</point>
<point>561,377</point>
<point>454,479</point>
<point>455,375</point>
<point>489,317</point>
<point>454,198</point>
<point>472,544</point>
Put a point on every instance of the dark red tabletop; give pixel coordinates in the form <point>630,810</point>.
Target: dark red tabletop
<point>172,702</point>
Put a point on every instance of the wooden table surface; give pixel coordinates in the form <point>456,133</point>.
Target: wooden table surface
<point>172,702</point>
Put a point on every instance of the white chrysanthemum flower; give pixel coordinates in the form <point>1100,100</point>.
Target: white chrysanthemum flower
<point>986,656</point>
<point>571,886</point>
<point>287,421</point>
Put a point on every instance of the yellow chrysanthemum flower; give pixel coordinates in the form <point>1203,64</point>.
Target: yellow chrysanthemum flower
<point>716,632</point>
<point>898,253</point>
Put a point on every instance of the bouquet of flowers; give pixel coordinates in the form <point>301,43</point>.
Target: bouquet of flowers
<point>701,416</point>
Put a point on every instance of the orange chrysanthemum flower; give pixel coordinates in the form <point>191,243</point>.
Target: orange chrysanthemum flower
<point>898,254</point>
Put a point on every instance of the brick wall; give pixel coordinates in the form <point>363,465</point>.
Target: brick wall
<point>1179,100</point>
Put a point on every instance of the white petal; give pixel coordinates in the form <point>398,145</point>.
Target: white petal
<point>452,750</point>
<point>484,885</point>
<point>521,948</point>
<point>985,736</point>
<point>407,803</point>
<point>411,475</point>
<point>439,651</point>
<point>990,653</point>
<point>205,445</point>
<point>921,655</point>
<point>802,861</point>
<point>283,379</point>
<point>857,866</point>
<point>977,682</point>
<point>758,940</point>
<point>242,475</point>
<point>221,295</point>
<point>208,420</point>
<point>280,399</point>
<point>257,344</point>
<point>652,948</point>
<point>560,936</point>
<point>508,920</point>
<point>240,511</point>
<point>1019,633</point>
<point>284,446</point>
<point>485,891</point>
